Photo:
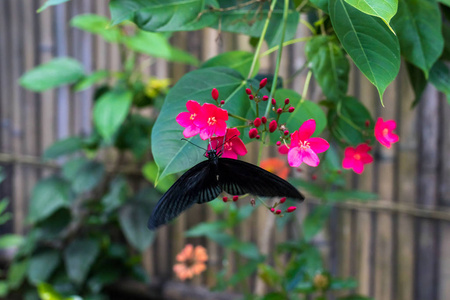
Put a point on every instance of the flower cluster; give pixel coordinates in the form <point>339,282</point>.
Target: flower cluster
<point>190,262</point>
<point>278,211</point>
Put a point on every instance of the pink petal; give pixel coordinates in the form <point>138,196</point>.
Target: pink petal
<point>283,149</point>
<point>184,119</point>
<point>307,129</point>
<point>358,166</point>
<point>193,106</point>
<point>392,137</point>
<point>205,133</point>
<point>347,162</point>
<point>295,139</point>
<point>220,129</point>
<point>231,132</point>
<point>383,141</point>
<point>390,124</point>
<point>366,158</point>
<point>295,157</point>
<point>229,154</point>
<point>349,152</point>
<point>318,145</point>
<point>190,131</point>
<point>239,147</point>
<point>361,148</point>
<point>222,113</point>
<point>310,158</point>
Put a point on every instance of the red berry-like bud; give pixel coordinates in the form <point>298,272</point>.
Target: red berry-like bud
<point>222,102</point>
<point>235,198</point>
<point>314,177</point>
<point>253,133</point>
<point>291,209</point>
<point>265,98</point>
<point>339,171</point>
<point>225,199</point>
<point>215,94</point>
<point>263,83</point>
<point>274,102</point>
<point>248,91</point>
<point>282,200</point>
<point>299,170</point>
<point>257,122</point>
<point>272,209</point>
<point>250,97</point>
<point>258,137</point>
<point>286,101</point>
<point>264,120</point>
<point>278,211</point>
<point>273,126</point>
<point>291,109</point>
<point>278,143</point>
<point>279,111</point>
<point>286,132</point>
<point>367,123</point>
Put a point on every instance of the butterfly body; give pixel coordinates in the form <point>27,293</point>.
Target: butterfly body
<point>206,180</point>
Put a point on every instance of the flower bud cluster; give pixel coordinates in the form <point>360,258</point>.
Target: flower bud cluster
<point>279,211</point>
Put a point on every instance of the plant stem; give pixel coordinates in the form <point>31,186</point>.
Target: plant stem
<point>306,86</point>
<point>290,42</point>
<point>238,117</point>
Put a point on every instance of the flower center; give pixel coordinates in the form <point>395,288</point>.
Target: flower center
<point>193,116</point>
<point>228,146</point>
<point>211,121</point>
<point>385,131</point>
<point>357,156</point>
<point>303,145</point>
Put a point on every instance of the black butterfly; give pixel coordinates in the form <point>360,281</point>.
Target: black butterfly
<point>206,180</point>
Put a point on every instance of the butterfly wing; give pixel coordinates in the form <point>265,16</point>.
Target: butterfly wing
<point>239,177</point>
<point>198,185</point>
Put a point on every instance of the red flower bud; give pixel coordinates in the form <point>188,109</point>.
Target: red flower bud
<point>215,94</point>
<point>257,122</point>
<point>222,102</point>
<point>279,111</point>
<point>263,83</point>
<point>278,211</point>
<point>278,143</point>
<point>367,123</point>
<point>253,133</point>
<point>225,199</point>
<point>286,132</point>
<point>273,126</point>
<point>299,170</point>
<point>272,209</point>
<point>248,91</point>
<point>291,209</point>
<point>286,101</point>
<point>235,198</point>
<point>273,101</point>
<point>258,137</point>
<point>291,109</point>
<point>282,200</point>
<point>265,98</point>
<point>314,177</point>
<point>250,97</point>
<point>264,120</point>
<point>339,171</point>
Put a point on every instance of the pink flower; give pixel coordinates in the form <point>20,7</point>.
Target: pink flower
<point>384,134</point>
<point>304,148</point>
<point>211,121</point>
<point>186,119</point>
<point>233,144</point>
<point>356,158</point>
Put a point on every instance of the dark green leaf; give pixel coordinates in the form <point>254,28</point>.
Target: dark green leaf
<point>173,155</point>
<point>440,78</point>
<point>98,25</point>
<point>418,82</point>
<point>42,266</point>
<point>343,284</point>
<point>110,111</point>
<point>204,229</point>
<point>57,72</point>
<point>384,9</point>
<point>150,171</point>
<point>269,275</point>
<point>52,226</point>
<point>347,195</point>
<point>3,288</point>
<point>63,147</point>
<point>244,272</point>
<point>91,79</point>
<point>240,61</point>
<point>83,174</point>
<point>48,196</point>
<point>419,31</point>
<point>79,257</point>
<point>315,221</point>
<point>133,217</point>
<point>355,297</point>
<point>10,240</point>
<point>329,65</point>
<point>50,3</point>
<point>106,275</point>
<point>322,4</point>
<point>134,135</point>
<point>117,195</point>
<point>246,249</point>
<point>369,42</point>
<point>16,273</point>
<point>446,36</point>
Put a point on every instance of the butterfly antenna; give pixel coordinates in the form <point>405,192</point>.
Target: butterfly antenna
<point>183,139</point>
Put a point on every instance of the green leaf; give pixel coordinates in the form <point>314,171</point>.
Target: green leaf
<point>384,9</point>
<point>440,78</point>
<point>133,217</point>
<point>150,171</point>
<point>63,147</point>
<point>169,15</point>
<point>98,25</point>
<point>10,240</point>
<point>173,155</point>
<point>418,82</point>
<point>369,42</point>
<point>42,266</point>
<point>240,61</point>
<point>91,79</point>
<point>343,284</point>
<point>315,221</point>
<point>57,72</point>
<point>48,196</point>
<point>269,275</point>
<point>156,44</point>
<point>50,3</point>
<point>322,4</point>
<point>419,31</point>
<point>355,297</point>
<point>83,174</point>
<point>117,195</point>
<point>134,135</point>
<point>347,195</point>
<point>329,65</point>
<point>110,111</point>
<point>204,229</point>
<point>3,288</point>
<point>79,257</point>
<point>16,273</point>
<point>244,272</point>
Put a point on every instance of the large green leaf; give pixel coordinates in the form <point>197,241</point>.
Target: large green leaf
<point>98,25</point>
<point>418,26</point>
<point>57,72</point>
<point>170,152</point>
<point>42,266</point>
<point>48,195</point>
<point>329,65</point>
<point>50,3</point>
<point>240,61</point>
<point>150,171</point>
<point>79,257</point>
<point>369,42</point>
<point>384,9</point>
<point>63,147</point>
<point>418,82</point>
<point>133,217</point>
<point>440,78</point>
<point>156,44</point>
<point>168,15</point>
<point>83,174</point>
<point>117,195</point>
<point>110,111</point>
<point>315,221</point>
<point>91,79</point>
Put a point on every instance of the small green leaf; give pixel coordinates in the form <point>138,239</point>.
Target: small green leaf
<point>63,147</point>
<point>16,273</point>
<point>79,257</point>
<point>269,275</point>
<point>418,82</point>
<point>343,284</point>
<point>150,171</point>
<point>48,196</point>
<point>91,79</point>
<point>384,9</point>
<point>98,25</point>
<point>240,61</point>
<point>117,195</point>
<point>3,288</point>
<point>110,111</point>
<point>10,240</point>
<point>83,174</point>
<point>322,4</point>
<point>3,205</point>
<point>47,292</point>
<point>50,3</point>
<point>440,78</point>
<point>315,221</point>
<point>57,72</point>
<point>42,266</point>
<point>206,228</point>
